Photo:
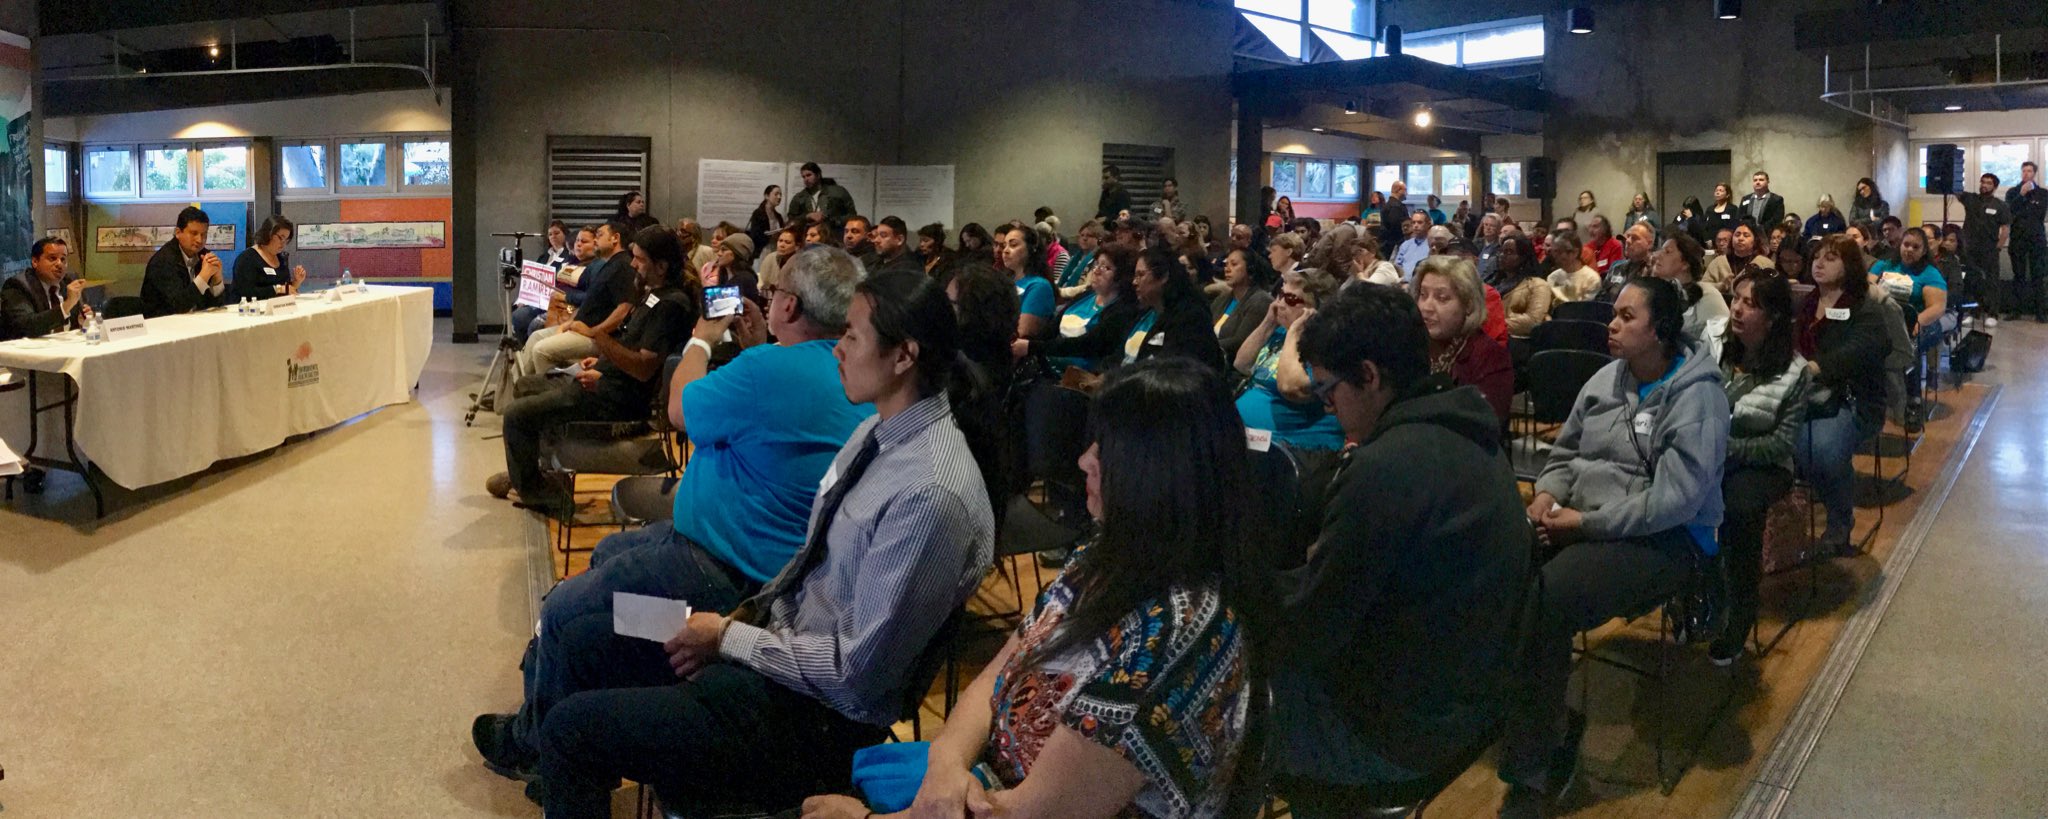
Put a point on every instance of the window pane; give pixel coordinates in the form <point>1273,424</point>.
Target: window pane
<point>224,169</point>
<point>1285,172</point>
<point>1346,46</point>
<point>1507,178</point>
<point>2002,159</point>
<point>305,166</point>
<point>1345,178</point>
<point>362,165</point>
<point>1384,177</point>
<point>1435,49</point>
<point>1315,180</point>
<point>1288,9</point>
<point>1500,44</point>
<point>1457,180</point>
<point>1283,34</point>
<point>1342,15</point>
<point>56,171</point>
<point>166,171</point>
<point>1421,180</point>
<point>110,171</point>
<point>426,163</point>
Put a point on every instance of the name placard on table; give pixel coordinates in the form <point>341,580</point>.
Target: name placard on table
<point>125,327</point>
<point>282,305</point>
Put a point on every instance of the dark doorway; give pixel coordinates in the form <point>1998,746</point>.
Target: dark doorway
<point>1688,173</point>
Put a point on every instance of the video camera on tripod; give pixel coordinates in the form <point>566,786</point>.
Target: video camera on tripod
<point>509,260</point>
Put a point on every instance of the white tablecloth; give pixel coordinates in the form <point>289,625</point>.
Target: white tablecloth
<point>206,386</point>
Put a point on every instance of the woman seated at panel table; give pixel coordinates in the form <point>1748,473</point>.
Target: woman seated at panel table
<point>263,272</point>
<point>1279,398</point>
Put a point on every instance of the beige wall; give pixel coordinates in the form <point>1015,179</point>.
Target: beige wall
<point>378,112</point>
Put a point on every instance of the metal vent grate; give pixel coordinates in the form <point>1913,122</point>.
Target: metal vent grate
<point>587,175</point>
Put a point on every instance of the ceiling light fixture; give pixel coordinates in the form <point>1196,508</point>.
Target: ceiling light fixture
<point>1317,130</point>
<point>1579,20</point>
<point>213,52</point>
<point>1727,9</point>
<point>1951,108</point>
<point>1423,118</point>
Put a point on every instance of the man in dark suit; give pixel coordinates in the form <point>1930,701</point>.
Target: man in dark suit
<point>1761,205</point>
<point>39,301</point>
<point>183,276</point>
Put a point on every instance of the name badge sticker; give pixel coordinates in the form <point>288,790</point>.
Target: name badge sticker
<point>1259,440</point>
<point>1644,423</point>
<point>1838,314</point>
<point>652,301</point>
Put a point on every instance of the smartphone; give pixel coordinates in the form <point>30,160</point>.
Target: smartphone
<point>720,302</point>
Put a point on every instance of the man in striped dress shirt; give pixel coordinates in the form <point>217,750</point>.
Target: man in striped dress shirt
<point>780,695</point>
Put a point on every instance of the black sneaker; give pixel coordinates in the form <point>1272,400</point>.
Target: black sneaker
<point>1564,762</point>
<point>503,754</point>
<point>1727,648</point>
<point>1524,802</point>
<point>1916,417</point>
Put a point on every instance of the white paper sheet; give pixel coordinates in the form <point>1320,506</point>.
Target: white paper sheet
<point>648,618</point>
<point>729,190</point>
<point>917,194</point>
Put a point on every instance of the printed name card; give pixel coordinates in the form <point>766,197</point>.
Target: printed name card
<point>1259,440</point>
<point>282,306</point>
<point>126,327</point>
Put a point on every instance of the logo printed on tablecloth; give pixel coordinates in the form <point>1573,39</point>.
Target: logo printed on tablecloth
<point>300,371</point>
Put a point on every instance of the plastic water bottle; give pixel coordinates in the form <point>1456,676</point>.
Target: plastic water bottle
<point>348,281</point>
<point>94,333</point>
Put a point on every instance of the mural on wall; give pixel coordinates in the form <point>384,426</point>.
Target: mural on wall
<point>129,238</point>
<point>17,223</point>
<point>364,235</point>
<point>61,234</point>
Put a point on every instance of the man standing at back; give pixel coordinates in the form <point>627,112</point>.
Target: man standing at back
<point>1115,199</point>
<point>1987,229</point>
<point>1399,631</point>
<point>1394,216</point>
<point>2028,202</point>
<point>821,195</point>
<point>1763,207</point>
<point>183,276</point>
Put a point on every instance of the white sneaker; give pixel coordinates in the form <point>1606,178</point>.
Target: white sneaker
<point>1990,323</point>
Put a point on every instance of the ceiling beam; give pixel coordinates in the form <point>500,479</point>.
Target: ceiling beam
<point>58,17</point>
<point>104,97</point>
<point>1360,76</point>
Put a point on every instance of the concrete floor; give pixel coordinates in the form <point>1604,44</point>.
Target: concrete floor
<point>305,632</point>
<point>1943,716</point>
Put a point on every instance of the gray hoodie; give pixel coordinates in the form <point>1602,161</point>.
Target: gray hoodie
<point>1599,468</point>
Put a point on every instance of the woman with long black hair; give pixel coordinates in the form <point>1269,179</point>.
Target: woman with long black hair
<point>1139,652</point>
<point>767,219</point>
<point>1868,205</point>
<point>1691,220</point>
<point>1023,258</point>
<point>1766,382</point>
<point>633,211</point>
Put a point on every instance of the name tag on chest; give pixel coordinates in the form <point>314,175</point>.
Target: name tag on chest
<point>652,300</point>
<point>1838,314</point>
<point>1644,423</point>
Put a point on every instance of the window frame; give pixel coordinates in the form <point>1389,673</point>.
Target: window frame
<point>134,163</point>
<point>1459,34</point>
<point>399,141</point>
<point>390,184</point>
<point>142,191</point>
<point>71,178</point>
<point>287,193</point>
<point>1307,31</point>
<point>1301,162</point>
<point>1521,167</point>
<point>394,186</point>
<point>196,162</point>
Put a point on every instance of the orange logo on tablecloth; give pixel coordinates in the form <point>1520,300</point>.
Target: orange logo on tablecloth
<point>305,351</point>
<point>299,370</point>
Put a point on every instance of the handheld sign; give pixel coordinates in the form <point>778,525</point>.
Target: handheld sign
<point>536,285</point>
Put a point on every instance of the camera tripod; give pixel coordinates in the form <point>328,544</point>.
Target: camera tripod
<point>499,372</point>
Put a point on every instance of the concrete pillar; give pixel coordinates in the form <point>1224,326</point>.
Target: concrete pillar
<point>1251,157</point>
<point>462,154</point>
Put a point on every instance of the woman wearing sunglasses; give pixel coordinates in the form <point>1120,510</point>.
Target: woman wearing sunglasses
<point>1278,398</point>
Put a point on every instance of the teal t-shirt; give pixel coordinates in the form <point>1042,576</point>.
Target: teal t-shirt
<point>1074,322</point>
<point>1035,297</point>
<point>765,428</point>
<point>1306,425</point>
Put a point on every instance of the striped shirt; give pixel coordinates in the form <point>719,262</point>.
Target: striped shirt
<point>910,542</point>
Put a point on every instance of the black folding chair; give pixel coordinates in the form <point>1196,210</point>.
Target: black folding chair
<point>635,448</point>
<point>1555,379</point>
<point>1569,334</point>
<point>1055,427</point>
<point>1598,312</point>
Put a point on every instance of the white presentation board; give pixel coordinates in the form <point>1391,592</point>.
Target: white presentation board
<point>917,194</point>
<point>729,190</point>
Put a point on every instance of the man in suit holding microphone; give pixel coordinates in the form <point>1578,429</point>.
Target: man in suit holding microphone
<point>41,300</point>
<point>183,276</point>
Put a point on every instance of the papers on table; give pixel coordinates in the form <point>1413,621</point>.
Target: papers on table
<point>648,618</point>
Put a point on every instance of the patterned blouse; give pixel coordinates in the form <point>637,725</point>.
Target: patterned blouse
<point>1165,687</point>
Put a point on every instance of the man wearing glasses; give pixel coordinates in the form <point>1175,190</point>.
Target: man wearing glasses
<point>1398,631</point>
<point>764,428</point>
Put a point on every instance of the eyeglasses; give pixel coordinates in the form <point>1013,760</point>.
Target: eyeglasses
<point>1292,299</point>
<point>1323,389</point>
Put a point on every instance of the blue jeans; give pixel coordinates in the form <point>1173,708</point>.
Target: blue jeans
<point>1825,454</point>
<point>575,649</point>
<point>1928,338</point>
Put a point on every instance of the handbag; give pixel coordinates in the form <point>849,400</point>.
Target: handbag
<point>1968,354</point>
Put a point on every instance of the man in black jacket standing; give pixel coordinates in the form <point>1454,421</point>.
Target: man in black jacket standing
<point>39,301</point>
<point>1398,633</point>
<point>1761,205</point>
<point>1115,199</point>
<point>183,276</point>
<point>2028,202</point>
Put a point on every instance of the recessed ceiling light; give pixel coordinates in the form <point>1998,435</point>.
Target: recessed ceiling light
<point>1423,118</point>
<point>213,51</point>
<point>1317,130</point>
<point>1951,108</point>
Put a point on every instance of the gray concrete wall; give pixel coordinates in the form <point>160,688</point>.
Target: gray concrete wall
<point>1634,88</point>
<point>1019,100</point>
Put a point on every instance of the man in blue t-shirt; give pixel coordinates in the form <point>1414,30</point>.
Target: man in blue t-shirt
<point>764,427</point>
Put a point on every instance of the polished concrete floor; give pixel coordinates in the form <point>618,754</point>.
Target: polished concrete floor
<point>1944,715</point>
<point>309,631</point>
<point>306,632</point>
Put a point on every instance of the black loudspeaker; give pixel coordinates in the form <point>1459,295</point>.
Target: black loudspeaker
<point>1541,178</point>
<point>1944,169</point>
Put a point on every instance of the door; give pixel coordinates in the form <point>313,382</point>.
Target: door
<point>1689,173</point>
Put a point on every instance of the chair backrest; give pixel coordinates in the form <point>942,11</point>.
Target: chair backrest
<point>925,669</point>
<point>1283,517</point>
<point>1569,334</point>
<point>1055,433</point>
<point>1555,379</point>
<point>1595,311</point>
<point>668,377</point>
<point>118,306</point>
